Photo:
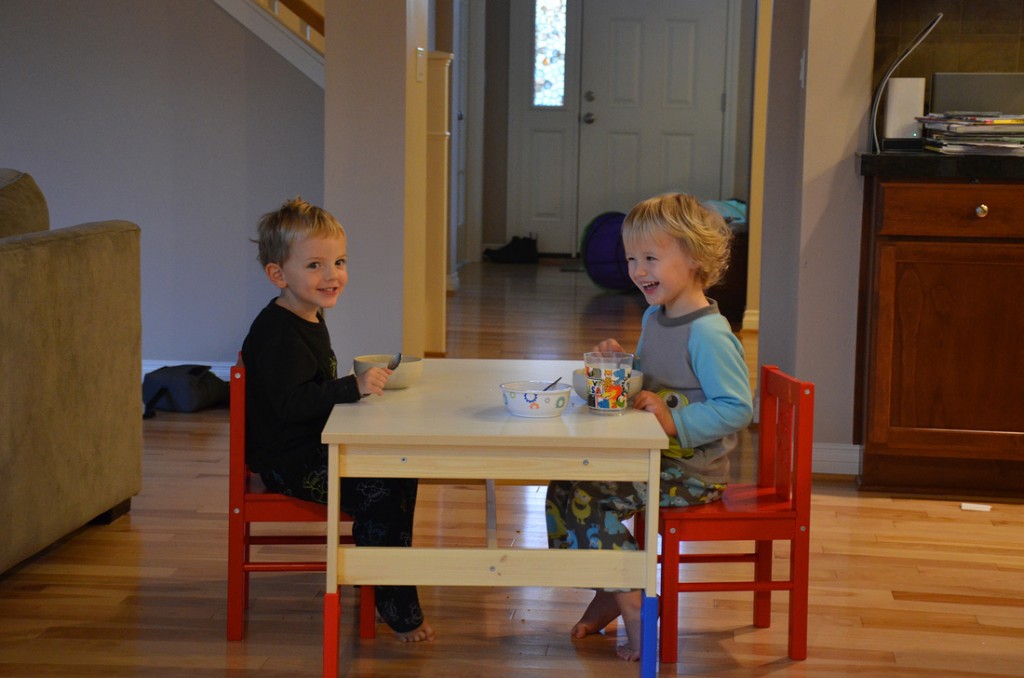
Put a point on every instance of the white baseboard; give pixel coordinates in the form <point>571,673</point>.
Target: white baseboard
<point>751,320</point>
<point>837,459</point>
<point>221,369</point>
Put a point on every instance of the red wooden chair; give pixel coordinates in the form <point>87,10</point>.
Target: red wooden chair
<point>250,503</point>
<point>777,507</point>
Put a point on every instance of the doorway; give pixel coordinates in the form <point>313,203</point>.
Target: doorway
<point>643,103</point>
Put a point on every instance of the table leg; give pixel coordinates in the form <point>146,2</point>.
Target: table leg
<point>332,592</point>
<point>649,637</point>
<point>649,605</point>
<point>332,616</point>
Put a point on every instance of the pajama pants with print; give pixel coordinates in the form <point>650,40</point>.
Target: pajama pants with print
<point>382,512</point>
<point>589,514</point>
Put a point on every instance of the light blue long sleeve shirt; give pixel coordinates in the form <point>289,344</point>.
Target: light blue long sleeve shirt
<point>699,358</point>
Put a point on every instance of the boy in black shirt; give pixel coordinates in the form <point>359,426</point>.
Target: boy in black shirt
<point>292,386</point>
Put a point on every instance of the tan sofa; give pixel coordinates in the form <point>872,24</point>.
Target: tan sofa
<point>70,372</point>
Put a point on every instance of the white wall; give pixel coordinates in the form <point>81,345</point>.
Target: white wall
<point>171,115</point>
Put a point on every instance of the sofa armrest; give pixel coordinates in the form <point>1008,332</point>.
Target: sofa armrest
<point>70,399</point>
<point>23,207</point>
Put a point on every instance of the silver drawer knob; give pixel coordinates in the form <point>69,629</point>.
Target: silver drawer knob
<point>981,210</point>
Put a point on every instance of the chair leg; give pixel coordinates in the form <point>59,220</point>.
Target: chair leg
<point>763,573</point>
<point>367,613</point>
<point>236,580</point>
<point>669,641</point>
<point>798,597</point>
<point>332,616</point>
<point>246,557</point>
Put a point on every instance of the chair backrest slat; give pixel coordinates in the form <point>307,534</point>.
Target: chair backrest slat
<point>784,450</point>
<point>786,432</point>
<point>237,470</point>
<point>768,417</point>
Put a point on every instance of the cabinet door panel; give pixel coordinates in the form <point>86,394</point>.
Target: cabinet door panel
<point>949,338</point>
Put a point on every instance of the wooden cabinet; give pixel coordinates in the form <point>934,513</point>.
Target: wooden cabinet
<point>941,370</point>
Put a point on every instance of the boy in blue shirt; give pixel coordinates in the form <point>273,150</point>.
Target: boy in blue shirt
<point>696,383</point>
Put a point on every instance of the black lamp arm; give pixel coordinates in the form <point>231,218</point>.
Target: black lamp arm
<point>918,39</point>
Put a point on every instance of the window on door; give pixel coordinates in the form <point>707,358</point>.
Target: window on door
<point>549,53</point>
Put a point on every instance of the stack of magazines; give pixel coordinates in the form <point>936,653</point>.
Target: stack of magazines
<point>974,133</point>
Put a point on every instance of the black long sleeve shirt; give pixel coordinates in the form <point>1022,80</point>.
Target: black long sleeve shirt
<point>291,385</point>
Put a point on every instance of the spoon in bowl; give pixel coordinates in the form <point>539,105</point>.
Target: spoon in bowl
<point>395,360</point>
<point>548,387</point>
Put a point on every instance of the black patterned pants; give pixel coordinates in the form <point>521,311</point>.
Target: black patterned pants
<point>382,511</point>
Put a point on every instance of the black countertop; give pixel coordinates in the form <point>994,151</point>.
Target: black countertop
<point>931,165</point>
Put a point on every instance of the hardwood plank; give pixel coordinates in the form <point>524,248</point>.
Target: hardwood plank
<point>900,586</point>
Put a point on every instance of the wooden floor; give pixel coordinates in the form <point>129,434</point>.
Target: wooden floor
<point>899,586</point>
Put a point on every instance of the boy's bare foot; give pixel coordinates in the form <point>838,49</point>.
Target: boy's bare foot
<point>420,633</point>
<point>628,603</point>
<point>625,651</point>
<point>601,612</point>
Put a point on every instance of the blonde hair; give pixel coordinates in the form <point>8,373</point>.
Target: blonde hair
<point>702,232</point>
<point>296,218</point>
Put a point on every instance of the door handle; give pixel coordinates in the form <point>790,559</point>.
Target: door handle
<point>589,118</point>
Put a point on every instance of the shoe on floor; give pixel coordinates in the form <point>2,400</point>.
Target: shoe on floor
<point>518,250</point>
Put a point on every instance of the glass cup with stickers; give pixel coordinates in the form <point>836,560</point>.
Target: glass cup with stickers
<point>607,381</point>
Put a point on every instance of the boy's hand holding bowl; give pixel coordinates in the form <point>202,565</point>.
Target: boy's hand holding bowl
<point>403,376</point>
<point>372,381</point>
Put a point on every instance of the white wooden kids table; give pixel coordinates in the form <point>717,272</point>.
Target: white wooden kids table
<point>452,424</point>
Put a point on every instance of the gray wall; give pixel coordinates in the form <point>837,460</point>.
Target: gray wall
<point>780,244</point>
<point>365,173</point>
<point>171,115</point>
<point>494,204</point>
<point>812,208</point>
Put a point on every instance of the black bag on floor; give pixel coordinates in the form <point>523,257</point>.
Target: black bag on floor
<point>182,388</point>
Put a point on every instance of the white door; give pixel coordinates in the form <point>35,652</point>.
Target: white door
<point>543,137</point>
<point>647,78</point>
<point>652,107</point>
